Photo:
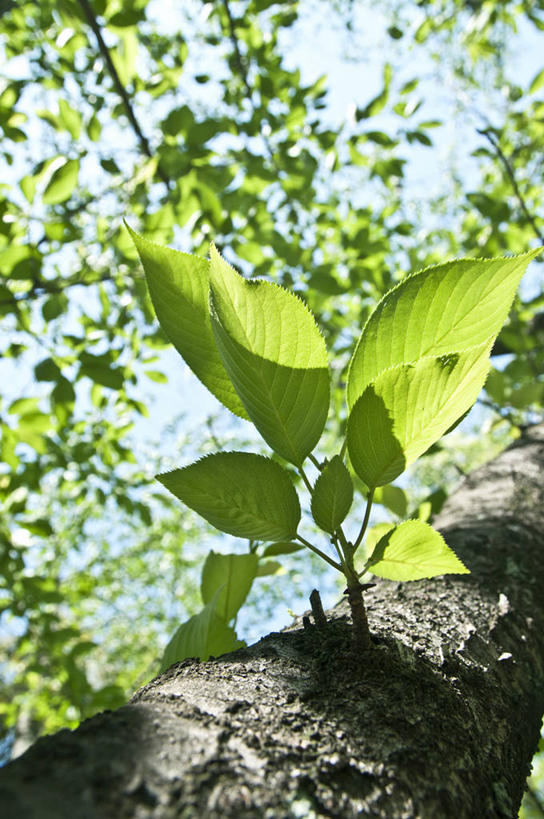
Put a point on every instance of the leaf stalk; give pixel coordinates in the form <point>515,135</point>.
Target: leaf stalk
<point>321,554</point>
<point>366,518</point>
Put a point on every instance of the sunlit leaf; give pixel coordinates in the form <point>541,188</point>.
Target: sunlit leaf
<point>268,567</point>
<point>179,288</point>
<point>409,407</point>
<point>204,635</point>
<point>413,550</point>
<point>444,309</point>
<point>275,356</point>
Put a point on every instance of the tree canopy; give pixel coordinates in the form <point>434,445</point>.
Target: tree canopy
<point>415,137</point>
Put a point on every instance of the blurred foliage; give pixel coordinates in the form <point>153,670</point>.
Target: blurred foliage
<point>196,121</point>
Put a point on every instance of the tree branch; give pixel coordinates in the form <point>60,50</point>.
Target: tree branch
<point>511,176</point>
<point>236,46</point>
<point>119,87</point>
<point>243,71</point>
<point>409,730</point>
<point>45,288</point>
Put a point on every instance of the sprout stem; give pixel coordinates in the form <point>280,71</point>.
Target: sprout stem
<point>321,554</point>
<point>305,479</point>
<point>365,520</point>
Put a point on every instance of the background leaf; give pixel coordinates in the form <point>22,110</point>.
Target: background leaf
<point>62,183</point>
<point>392,497</point>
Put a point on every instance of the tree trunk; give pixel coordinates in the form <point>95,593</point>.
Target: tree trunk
<point>439,720</point>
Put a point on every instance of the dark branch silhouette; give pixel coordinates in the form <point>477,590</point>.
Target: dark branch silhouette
<point>119,87</point>
<point>511,176</point>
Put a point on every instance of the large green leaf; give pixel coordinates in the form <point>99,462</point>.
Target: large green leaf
<point>179,287</point>
<point>204,635</point>
<point>408,407</point>
<point>275,357</point>
<point>443,309</point>
<point>242,494</point>
<point>332,496</point>
<point>413,550</point>
<point>231,576</point>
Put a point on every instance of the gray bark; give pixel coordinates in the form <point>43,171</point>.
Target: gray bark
<point>439,719</point>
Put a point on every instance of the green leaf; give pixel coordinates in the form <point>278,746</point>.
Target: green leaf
<point>537,82</point>
<point>378,103</point>
<point>54,306</point>
<point>47,370</point>
<point>242,494</point>
<point>70,118</point>
<point>443,309</point>
<point>62,183</point>
<point>332,496</point>
<point>393,497</point>
<point>409,407</point>
<point>375,534</point>
<point>63,392</point>
<point>268,567</point>
<point>101,373</point>
<point>411,551</point>
<point>157,376</point>
<point>282,547</point>
<point>275,356</point>
<point>205,634</point>
<point>231,577</point>
<point>179,287</point>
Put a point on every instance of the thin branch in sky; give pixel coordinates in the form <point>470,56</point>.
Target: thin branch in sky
<point>119,87</point>
<point>511,176</point>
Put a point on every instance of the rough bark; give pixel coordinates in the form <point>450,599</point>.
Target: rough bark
<point>441,719</point>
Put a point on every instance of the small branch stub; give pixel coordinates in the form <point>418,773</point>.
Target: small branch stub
<point>317,610</point>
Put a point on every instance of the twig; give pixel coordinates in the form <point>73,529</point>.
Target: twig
<point>510,173</point>
<point>119,87</point>
<point>321,554</point>
<point>317,609</point>
<point>42,288</point>
<point>243,69</point>
<point>305,479</point>
<point>365,519</point>
<point>236,46</point>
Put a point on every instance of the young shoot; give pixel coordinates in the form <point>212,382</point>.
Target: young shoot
<point>419,364</point>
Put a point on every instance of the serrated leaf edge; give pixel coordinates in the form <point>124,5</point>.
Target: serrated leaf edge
<point>368,565</point>
<point>386,296</point>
